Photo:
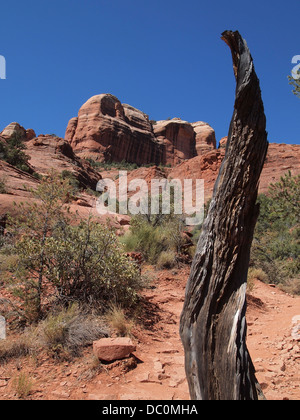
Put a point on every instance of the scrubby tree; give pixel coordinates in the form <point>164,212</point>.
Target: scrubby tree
<point>12,151</point>
<point>63,258</point>
<point>276,245</point>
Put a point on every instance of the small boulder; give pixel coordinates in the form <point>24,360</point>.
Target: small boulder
<point>110,349</point>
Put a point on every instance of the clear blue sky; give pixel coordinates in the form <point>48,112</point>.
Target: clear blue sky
<point>164,57</point>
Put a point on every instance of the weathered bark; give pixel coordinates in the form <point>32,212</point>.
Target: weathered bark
<point>213,324</point>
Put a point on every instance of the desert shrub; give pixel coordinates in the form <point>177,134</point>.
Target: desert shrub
<point>120,323</point>
<point>112,165</point>
<point>167,259</point>
<point>73,181</point>
<point>12,152</point>
<point>23,384</point>
<point>257,273</point>
<point>8,262</point>
<point>81,261</point>
<point>3,187</point>
<point>291,286</point>
<point>17,347</point>
<point>87,262</point>
<point>64,332</point>
<point>67,330</point>
<point>155,233</point>
<point>153,240</point>
<point>276,244</point>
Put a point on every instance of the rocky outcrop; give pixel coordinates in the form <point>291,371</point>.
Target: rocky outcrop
<point>107,130</point>
<point>48,152</point>
<point>15,129</point>
<point>280,159</point>
<point>205,137</point>
<point>177,140</point>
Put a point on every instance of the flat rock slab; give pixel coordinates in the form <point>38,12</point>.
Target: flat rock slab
<point>110,349</point>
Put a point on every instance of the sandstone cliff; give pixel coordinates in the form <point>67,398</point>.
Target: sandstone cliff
<point>47,152</point>
<point>280,159</point>
<point>107,130</point>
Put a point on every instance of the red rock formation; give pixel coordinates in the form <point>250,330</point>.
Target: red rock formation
<point>107,130</point>
<point>110,349</point>
<point>205,137</point>
<point>177,138</point>
<point>280,159</point>
<point>50,152</point>
<point>15,128</point>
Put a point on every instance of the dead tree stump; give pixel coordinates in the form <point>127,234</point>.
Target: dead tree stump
<point>213,325</point>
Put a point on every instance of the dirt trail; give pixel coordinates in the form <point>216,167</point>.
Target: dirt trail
<point>157,371</point>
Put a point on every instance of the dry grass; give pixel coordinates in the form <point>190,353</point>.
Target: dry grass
<point>291,286</point>
<point>63,334</point>
<point>68,330</point>
<point>167,259</point>
<point>23,385</point>
<point>118,321</point>
<point>257,273</point>
<point>23,345</point>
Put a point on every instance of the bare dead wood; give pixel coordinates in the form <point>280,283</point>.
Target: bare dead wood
<point>213,325</point>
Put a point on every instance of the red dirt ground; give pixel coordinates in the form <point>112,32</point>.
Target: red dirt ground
<point>156,372</point>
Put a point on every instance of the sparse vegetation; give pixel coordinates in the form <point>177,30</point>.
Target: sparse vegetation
<point>167,259</point>
<point>74,183</point>
<point>17,347</point>
<point>253,274</point>
<point>3,187</point>
<point>23,384</point>
<point>276,245</point>
<point>67,330</point>
<point>112,165</point>
<point>120,323</point>
<point>157,236</point>
<point>296,85</point>
<point>12,152</point>
<point>67,259</point>
<point>154,240</point>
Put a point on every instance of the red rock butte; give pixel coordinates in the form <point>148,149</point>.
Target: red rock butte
<point>106,130</point>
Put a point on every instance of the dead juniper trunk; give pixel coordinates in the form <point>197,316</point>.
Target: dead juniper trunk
<point>213,325</point>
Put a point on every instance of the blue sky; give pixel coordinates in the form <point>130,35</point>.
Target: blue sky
<point>164,57</point>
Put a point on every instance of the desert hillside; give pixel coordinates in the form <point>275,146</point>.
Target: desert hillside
<point>70,277</point>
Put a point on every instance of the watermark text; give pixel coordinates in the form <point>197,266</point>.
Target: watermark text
<point>160,196</point>
<point>296,69</point>
<point>2,67</point>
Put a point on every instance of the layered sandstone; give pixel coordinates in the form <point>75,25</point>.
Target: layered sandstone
<point>205,137</point>
<point>177,140</point>
<point>280,159</point>
<point>48,152</point>
<point>107,130</point>
<point>15,129</point>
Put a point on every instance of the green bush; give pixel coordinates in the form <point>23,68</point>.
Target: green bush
<point>73,181</point>
<point>167,259</point>
<point>12,152</point>
<point>276,243</point>
<point>77,260</point>
<point>153,240</point>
